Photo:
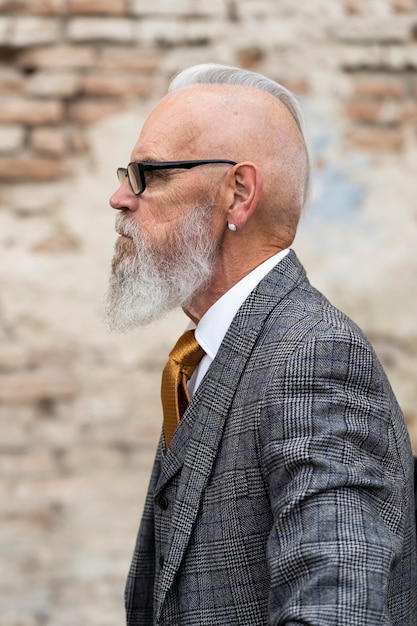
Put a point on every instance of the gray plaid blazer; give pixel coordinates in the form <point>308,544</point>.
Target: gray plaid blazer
<point>286,496</point>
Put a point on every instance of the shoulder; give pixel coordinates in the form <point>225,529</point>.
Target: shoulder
<point>300,314</point>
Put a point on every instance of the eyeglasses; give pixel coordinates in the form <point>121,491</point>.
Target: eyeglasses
<point>135,171</point>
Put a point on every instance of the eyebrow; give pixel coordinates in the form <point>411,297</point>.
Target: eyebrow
<point>147,159</point>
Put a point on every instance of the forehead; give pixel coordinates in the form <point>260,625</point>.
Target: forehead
<point>172,129</point>
<point>203,121</point>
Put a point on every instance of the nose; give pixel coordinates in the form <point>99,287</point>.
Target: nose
<point>124,198</point>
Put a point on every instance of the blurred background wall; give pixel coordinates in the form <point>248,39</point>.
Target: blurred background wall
<point>79,408</point>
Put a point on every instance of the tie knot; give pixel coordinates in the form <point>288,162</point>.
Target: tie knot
<point>187,352</point>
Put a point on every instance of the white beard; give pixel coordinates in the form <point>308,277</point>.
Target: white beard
<point>150,278</point>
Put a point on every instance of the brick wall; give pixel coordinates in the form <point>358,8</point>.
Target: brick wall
<point>79,409</point>
<point>67,63</point>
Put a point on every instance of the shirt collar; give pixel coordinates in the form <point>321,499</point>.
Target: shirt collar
<point>213,326</point>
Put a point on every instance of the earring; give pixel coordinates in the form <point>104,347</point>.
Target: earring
<point>232,227</point>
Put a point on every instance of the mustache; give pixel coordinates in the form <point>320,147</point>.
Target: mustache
<point>126,226</point>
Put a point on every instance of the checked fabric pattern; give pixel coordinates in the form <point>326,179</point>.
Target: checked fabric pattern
<point>183,359</point>
<point>287,497</point>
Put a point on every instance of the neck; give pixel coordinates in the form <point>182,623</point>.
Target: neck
<point>225,276</point>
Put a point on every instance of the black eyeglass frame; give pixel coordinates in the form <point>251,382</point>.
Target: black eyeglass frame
<point>135,171</point>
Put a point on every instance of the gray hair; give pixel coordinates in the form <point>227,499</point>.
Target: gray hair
<point>212,73</point>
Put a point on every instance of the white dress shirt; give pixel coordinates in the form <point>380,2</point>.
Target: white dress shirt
<point>214,324</point>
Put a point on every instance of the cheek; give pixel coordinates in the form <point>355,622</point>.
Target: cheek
<point>219,221</point>
<point>164,209</point>
<point>219,213</point>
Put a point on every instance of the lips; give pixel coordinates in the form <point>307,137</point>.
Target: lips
<point>124,239</point>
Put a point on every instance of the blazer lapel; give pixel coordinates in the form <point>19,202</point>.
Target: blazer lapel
<point>194,445</point>
<point>202,422</point>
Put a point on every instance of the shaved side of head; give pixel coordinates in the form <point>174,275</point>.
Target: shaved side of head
<point>249,124</point>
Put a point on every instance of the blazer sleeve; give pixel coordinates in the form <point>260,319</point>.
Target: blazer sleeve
<point>332,438</point>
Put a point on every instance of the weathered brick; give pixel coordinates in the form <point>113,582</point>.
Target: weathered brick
<point>379,86</point>
<point>258,10</point>
<point>413,86</point>
<point>33,7</point>
<point>129,59</point>
<point>57,57</point>
<point>400,58</point>
<point>54,84</point>
<point>352,6</point>
<point>94,7</point>
<point>34,511</point>
<point>392,112</point>
<point>360,57</point>
<point>28,199</point>
<point>376,138</point>
<point>81,457</point>
<point>60,241</point>
<point>181,8</point>
<point>118,30</point>
<point>12,6</point>
<point>410,112</point>
<point>117,85</point>
<point>5,28</point>
<point>168,32</point>
<point>48,140</point>
<point>299,86</point>
<point>14,436</point>
<point>39,462</point>
<point>355,29</point>
<point>14,357</point>
<point>12,137</point>
<point>55,434</point>
<point>78,141</point>
<point>31,111</point>
<point>25,168</point>
<point>88,111</point>
<point>249,58</point>
<point>11,81</point>
<point>364,111</point>
<point>32,31</point>
<point>379,58</point>
<point>403,6</point>
<point>40,384</point>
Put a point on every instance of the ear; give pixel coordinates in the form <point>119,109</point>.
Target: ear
<point>247,188</point>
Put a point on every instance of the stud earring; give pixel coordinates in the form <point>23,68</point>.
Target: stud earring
<point>232,227</point>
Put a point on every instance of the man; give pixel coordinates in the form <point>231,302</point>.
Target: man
<point>284,495</point>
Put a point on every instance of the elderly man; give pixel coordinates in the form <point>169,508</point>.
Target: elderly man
<point>282,489</point>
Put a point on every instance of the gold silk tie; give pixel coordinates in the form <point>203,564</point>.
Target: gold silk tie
<point>183,359</point>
